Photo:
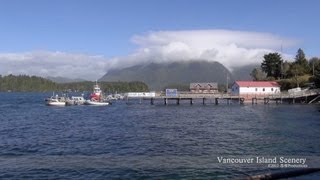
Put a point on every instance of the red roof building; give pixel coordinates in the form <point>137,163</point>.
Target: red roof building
<point>255,88</point>
<point>257,84</point>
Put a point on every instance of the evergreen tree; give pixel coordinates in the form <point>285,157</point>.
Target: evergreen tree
<point>301,60</point>
<point>286,69</point>
<point>313,62</point>
<point>272,65</point>
<point>257,74</point>
<point>317,73</point>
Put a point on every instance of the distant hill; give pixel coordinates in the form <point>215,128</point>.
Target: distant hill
<point>24,83</point>
<point>107,87</point>
<point>59,79</point>
<point>243,73</point>
<point>158,76</point>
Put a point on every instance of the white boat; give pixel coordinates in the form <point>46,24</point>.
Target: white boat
<point>96,103</point>
<point>96,98</point>
<point>76,100</point>
<point>56,101</point>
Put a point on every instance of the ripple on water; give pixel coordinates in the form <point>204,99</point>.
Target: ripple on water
<point>144,141</point>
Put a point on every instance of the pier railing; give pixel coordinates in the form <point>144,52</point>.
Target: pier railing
<point>304,96</point>
<point>187,94</point>
<point>302,93</point>
<point>191,95</point>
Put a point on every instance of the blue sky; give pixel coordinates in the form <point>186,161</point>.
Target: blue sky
<point>109,27</point>
<point>105,27</point>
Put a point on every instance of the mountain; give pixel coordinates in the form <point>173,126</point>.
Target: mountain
<point>158,76</point>
<point>59,79</point>
<point>243,73</point>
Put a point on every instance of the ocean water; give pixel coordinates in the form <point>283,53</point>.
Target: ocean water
<point>143,141</point>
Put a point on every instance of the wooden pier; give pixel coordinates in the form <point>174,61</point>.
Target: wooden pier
<point>203,97</point>
<point>306,97</point>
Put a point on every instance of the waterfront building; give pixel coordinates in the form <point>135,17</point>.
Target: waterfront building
<point>249,89</point>
<point>204,87</point>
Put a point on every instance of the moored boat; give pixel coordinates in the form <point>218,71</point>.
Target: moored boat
<point>56,101</point>
<point>96,98</point>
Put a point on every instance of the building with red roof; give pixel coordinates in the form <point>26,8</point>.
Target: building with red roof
<point>255,88</point>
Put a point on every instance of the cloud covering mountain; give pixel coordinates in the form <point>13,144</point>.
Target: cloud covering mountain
<point>230,48</point>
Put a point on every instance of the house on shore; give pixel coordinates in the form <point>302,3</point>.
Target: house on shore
<point>204,87</point>
<point>250,89</point>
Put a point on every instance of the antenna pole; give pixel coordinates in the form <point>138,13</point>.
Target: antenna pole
<point>227,82</point>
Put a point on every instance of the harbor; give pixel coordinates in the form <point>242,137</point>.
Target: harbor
<point>303,97</point>
<point>96,98</point>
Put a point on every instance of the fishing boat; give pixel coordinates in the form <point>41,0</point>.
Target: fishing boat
<point>55,100</point>
<point>96,98</point>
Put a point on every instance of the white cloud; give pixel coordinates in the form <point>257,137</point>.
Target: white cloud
<point>231,48</point>
<point>45,63</point>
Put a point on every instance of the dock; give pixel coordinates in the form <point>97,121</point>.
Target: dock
<point>191,97</point>
<point>303,97</point>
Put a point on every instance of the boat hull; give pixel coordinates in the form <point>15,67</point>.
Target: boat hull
<point>96,103</point>
<point>56,103</point>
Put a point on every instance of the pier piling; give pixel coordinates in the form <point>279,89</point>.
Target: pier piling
<point>254,100</point>
<point>241,101</point>
<point>266,100</point>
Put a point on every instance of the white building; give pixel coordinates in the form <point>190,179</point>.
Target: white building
<point>255,88</point>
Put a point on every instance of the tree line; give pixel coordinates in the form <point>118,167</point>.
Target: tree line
<point>107,87</point>
<point>24,83</point>
<point>298,73</point>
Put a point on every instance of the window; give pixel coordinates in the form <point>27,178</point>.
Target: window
<point>271,89</point>
<point>256,89</point>
<point>263,89</point>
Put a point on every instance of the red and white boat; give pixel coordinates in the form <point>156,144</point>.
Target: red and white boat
<point>96,98</point>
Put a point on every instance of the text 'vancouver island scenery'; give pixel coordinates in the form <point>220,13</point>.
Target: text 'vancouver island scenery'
<point>159,90</point>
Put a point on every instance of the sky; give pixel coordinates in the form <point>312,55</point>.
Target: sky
<point>86,38</point>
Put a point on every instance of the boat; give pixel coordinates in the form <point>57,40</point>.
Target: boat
<point>75,100</point>
<point>96,103</point>
<point>96,98</point>
<point>55,100</point>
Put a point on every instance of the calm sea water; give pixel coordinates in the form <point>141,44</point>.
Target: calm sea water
<point>144,141</point>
